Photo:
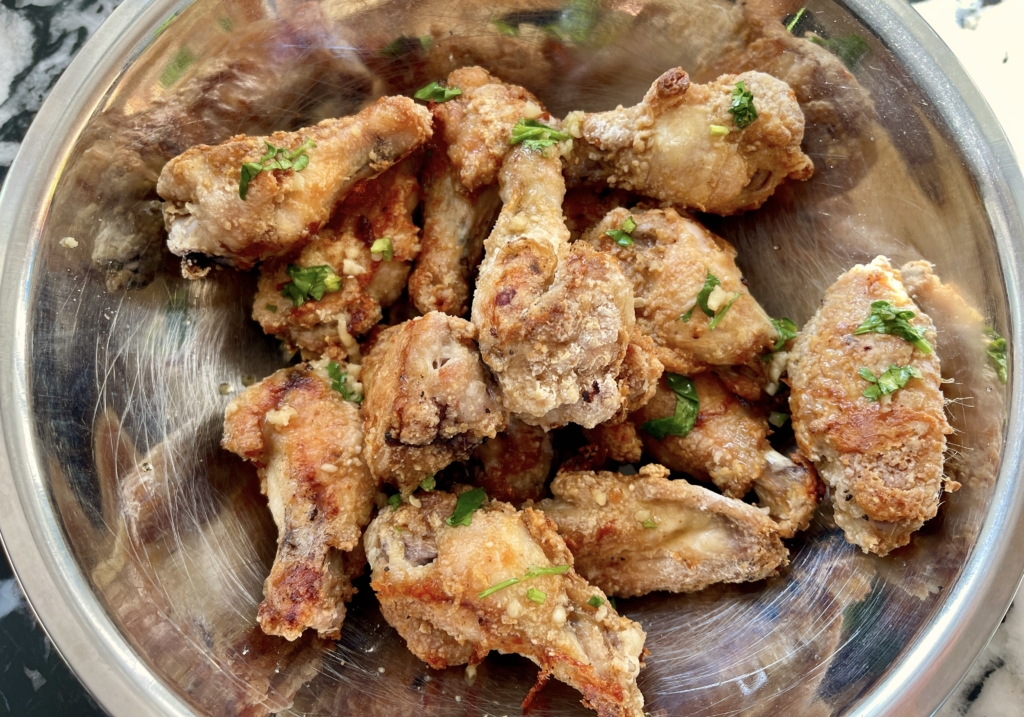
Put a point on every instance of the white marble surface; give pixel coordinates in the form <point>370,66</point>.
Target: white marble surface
<point>39,37</point>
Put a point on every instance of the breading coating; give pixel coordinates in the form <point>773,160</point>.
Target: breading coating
<point>429,577</point>
<point>429,399</point>
<point>554,321</point>
<point>664,146</point>
<point>378,208</point>
<point>514,465</point>
<point>455,224</point>
<point>478,124</point>
<point>307,443</point>
<point>632,535</point>
<point>883,459</point>
<point>667,265</point>
<point>790,489</point>
<point>205,215</point>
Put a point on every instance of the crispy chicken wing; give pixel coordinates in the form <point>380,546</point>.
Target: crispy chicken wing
<point>429,578</point>
<point>668,264</point>
<point>306,441</point>
<point>429,399</point>
<point>632,535</point>
<point>478,124</point>
<point>664,146</point>
<point>554,321</point>
<point>514,465</point>
<point>455,223</point>
<point>376,208</point>
<point>205,215</point>
<point>883,458</point>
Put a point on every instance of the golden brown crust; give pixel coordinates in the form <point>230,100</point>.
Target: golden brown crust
<point>663,147</point>
<point>306,442</point>
<point>692,537</point>
<point>428,573</point>
<point>205,215</point>
<point>883,459</point>
<point>514,465</point>
<point>429,399</point>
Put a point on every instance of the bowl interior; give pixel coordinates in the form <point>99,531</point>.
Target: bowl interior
<point>132,366</point>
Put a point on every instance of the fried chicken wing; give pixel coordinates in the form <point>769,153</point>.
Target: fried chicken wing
<point>790,489</point>
<point>664,147</point>
<point>668,264</point>
<point>883,458</point>
<point>378,208</point>
<point>478,124</point>
<point>306,441</point>
<point>514,465</point>
<point>435,585</point>
<point>429,399</point>
<point>632,535</point>
<point>455,223</point>
<point>205,215</point>
<point>554,321</point>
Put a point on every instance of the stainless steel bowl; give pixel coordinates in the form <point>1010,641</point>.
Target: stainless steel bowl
<point>142,547</point>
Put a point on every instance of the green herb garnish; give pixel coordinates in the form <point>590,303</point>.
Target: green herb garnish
<point>787,330</point>
<point>505,28</point>
<point>383,248</point>
<point>848,48</point>
<point>395,501</point>
<point>796,19</point>
<point>621,236</point>
<point>885,319</point>
<point>778,418</point>
<point>995,347</point>
<point>535,135</point>
<point>722,311</point>
<point>429,483</point>
<point>339,382</point>
<point>710,282</point>
<point>681,422</point>
<point>465,506</point>
<point>404,45</point>
<point>893,379</point>
<point>272,308</point>
<point>531,572</point>
<point>742,107</point>
<point>595,601</point>
<point>649,523</point>
<point>536,595</point>
<point>181,61</point>
<point>717,130</point>
<point>275,158</point>
<point>310,283</point>
<point>437,93</point>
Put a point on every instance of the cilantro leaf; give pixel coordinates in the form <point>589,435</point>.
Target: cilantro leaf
<point>796,18</point>
<point>274,158</point>
<point>885,319</point>
<point>742,107</point>
<point>437,93</point>
<point>849,48</point>
<point>339,382</point>
<point>595,601</point>
<point>310,283</point>
<point>710,282</point>
<point>778,418</point>
<point>536,595</point>
<point>722,311</point>
<point>429,483</point>
<point>465,506</point>
<point>995,348</point>
<point>535,135</point>
<point>649,523</point>
<point>681,422</point>
<point>395,501</point>
<point>405,45</point>
<point>531,572</point>
<point>787,330</point>
<point>383,247</point>
<point>890,381</point>
<point>621,236</point>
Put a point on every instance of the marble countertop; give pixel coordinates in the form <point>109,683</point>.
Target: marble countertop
<point>38,38</point>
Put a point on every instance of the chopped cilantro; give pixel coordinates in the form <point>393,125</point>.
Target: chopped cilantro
<point>310,283</point>
<point>681,422</point>
<point>183,60</point>
<point>536,595</point>
<point>995,347</point>
<point>621,236</point>
<point>535,135</point>
<point>796,19</point>
<point>395,501</point>
<point>742,106</point>
<point>885,319</point>
<point>339,382</point>
<point>778,418</point>
<point>275,158</point>
<point>382,248</point>
<point>429,483</point>
<point>595,601</point>
<point>465,506</point>
<point>787,330</point>
<point>710,282</point>
<point>649,523</point>
<point>435,92</point>
<point>721,312</point>
<point>891,380</point>
<point>404,45</point>
<point>848,48</point>
<point>531,572</point>
<point>272,308</point>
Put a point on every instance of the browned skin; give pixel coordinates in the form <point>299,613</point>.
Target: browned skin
<point>478,124</point>
<point>514,465</point>
<point>306,442</point>
<point>663,147</point>
<point>883,459</point>
<point>667,265</point>
<point>205,215</point>
<point>554,320</point>
<point>429,399</point>
<point>585,206</point>
<point>698,537</point>
<point>374,209</point>
<point>455,224</point>
<point>428,577</point>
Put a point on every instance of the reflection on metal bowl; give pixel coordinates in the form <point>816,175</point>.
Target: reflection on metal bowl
<point>143,547</point>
